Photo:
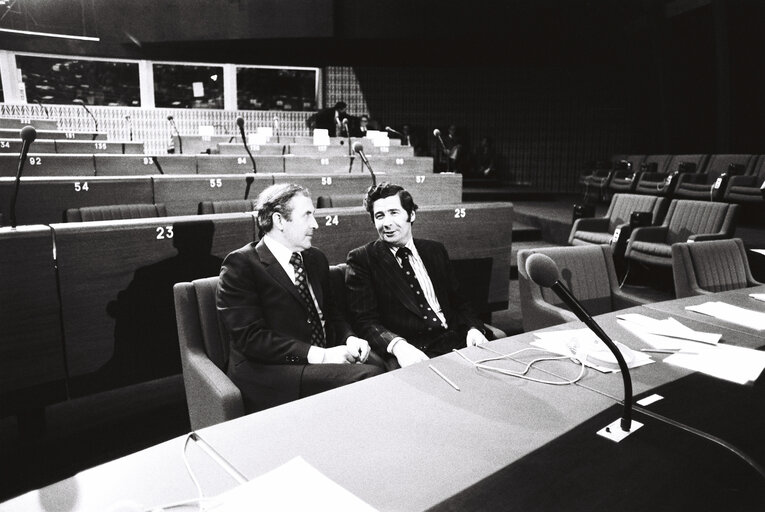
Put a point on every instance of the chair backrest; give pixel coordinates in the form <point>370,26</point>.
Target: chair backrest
<point>229,206</point>
<point>622,206</point>
<point>661,162</point>
<point>202,314</point>
<point>713,266</point>
<point>635,160</point>
<point>687,218</point>
<point>718,164</point>
<point>587,271</point>
<point>674,163</point>
<point>115,212</point>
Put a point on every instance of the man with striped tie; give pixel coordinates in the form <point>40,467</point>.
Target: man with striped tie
<point>288,340</point>
<point>402,292</point>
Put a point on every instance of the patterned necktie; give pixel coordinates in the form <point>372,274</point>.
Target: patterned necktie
<point>317,331</point>
<point>428,315</point>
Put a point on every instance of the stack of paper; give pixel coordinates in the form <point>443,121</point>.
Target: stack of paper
<point>585,346</point>
<point>733,314</point>
<point>667,334</point>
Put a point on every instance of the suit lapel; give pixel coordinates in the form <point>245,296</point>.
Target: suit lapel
<point>434,266</point>
<point>392,272</point>
<point>276,271</point>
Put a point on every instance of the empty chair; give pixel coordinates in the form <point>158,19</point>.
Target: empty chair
<point>115,212</point>
<point>600,177</point>
<point>601,230</point>
<point>211,396</point>
<point>588,271</point>
<point>701,185</point>
<point>230,206</point>
<point>685,220</point>
<point>663,183</point>
<point>623,181</point>
<point>746,189</point>
<point>710,267</point>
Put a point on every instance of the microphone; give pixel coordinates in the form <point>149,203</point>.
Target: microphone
<point>180,140</point>
<point>78,101</point>
<point>248,180</point>
<point>130,125</point>
<point>358,147</point>
<point>391,130</point>
<point>240,124</point>
<point>276,128</point>
<point>47,114</point>
<point>437,133</point>
<point>28,136</point>
<point>544,272</point>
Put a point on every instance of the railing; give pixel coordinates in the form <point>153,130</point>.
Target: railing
<point>151,126</point>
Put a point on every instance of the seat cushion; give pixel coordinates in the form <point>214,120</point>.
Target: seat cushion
<point>592,237</point>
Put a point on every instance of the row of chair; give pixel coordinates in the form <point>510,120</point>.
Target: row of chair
<point>643,228</point>
<point>44,200</point>
<point>45,164</point>
<point>588,271</point>
<point>97,313</point>
<point>730,178</point>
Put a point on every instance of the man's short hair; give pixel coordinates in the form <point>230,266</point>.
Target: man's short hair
<point>364,116</point>
<point>275,199</point>
<point>384,190</point>
<point>340,105</point>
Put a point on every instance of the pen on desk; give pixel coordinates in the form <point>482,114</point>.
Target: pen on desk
<point>452,384</point>
<point>666,351</point>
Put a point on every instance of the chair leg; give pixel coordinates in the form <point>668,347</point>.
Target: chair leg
<point>626,274</point>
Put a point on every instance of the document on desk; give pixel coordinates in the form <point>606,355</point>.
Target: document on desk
<point>665,334</point>
<point>758,296</point>
<point>583,343</point>
<point>733,314</point>
<point>295,485</point>
<point>734,364</point>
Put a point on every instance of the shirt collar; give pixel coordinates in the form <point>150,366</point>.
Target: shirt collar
<point>280,252</point>
<point>409,245</point>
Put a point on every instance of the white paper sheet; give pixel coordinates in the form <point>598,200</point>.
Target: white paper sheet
<point>733,314</point>
<point>295,485</point>
<point>734,364</point>
<point>669,327</point>
<point>758,296</point>
<point>579,343</point>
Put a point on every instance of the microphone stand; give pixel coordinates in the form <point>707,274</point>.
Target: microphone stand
<point>350,153</point>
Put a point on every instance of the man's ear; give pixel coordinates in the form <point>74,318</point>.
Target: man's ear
<point>277,220</point>
<point>412,216</point>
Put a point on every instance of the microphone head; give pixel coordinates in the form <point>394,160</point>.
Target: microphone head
<point>542,270</point>
<point>78,101</point>
<point>437,132</point>
<point>240,122</point>
<point>389,129</point>
<point>169,118</point>
<point>358,147</point>
<point>28,134</point>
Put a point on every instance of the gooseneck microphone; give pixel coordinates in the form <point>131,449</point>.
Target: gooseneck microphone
<point>391,130</point>
<point>171,119</point>
<point>240,124</point>
<point>358,147</point>
<point>544,272</point>
<point>78,101</point>
<point>276,128</point>
<point>130,126</point>
<point>28,135</point>
<point>248,180</point>
<point>47,114</point>
<point>437,134</point>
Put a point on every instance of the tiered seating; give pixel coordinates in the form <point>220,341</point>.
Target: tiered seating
<point>701,185</point>
<point>18,124</point>
<point>55,135</point>
<point>663,183</point>
<point>746,189</point>
<point>625,181</point>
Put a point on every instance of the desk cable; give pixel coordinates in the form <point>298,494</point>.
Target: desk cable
<point>669,421</point>
<point>481,365</point>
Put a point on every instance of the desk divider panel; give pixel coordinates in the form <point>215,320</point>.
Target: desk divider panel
<point>48,164</point>
<point>330,185</point>
<point>402,165</point>
<point>469,231</point>
<point>237,148</point>
<point>44,200</point>
<point>181,195</point>
<point>318,151</point>
<point>196,144</point>
<point>12,145</point>
<point>232,164</point>
<point>316,165</point>
<point>175,164</point>
<point>31,348</point>
<point>116,291</point>
<point>89,146</point>
<point>124,165</point>
<point>443,188</point>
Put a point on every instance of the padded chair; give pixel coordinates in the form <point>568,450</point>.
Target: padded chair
<point>700,186</point>
<point>623,181</point>
<point>115,212</point>
<point>663,183</point>
<point>211,396</point>
<point>709,267</point>
<point>230,206</point>
<point>588,271</point>
<point>746,189</point>
<point>599,179</point>
<point>685,221</point>
<point>600,230</point>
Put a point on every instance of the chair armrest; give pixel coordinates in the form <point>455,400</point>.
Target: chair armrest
<point>692,177</point>
<point>210,386</point>
<point>655,234</point>
<point>591,224</point>
<point>708,236</point>
<point>498,333</point>
<point>653,176</point>
<point>742,181</point>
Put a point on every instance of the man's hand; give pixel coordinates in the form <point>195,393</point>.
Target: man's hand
<point>338,355</point>
<point>474,337</point>
<point>359,348</point>
<point>407,354</point>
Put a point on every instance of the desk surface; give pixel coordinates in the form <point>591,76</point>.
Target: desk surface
<point>408,441</point>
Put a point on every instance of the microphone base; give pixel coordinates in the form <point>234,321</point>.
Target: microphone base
<point>614,432</point>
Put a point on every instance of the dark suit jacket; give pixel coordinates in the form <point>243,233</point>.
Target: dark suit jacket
<point>384,307</point>
<point>267,322</point>
<point>325,119</point>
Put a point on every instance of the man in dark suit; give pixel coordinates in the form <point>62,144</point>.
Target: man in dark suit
<point>330,119</point>
<point>402,291</point>
<point>287,338</point>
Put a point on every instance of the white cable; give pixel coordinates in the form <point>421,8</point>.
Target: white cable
<point>191,473</point>
<point>480,364</point>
